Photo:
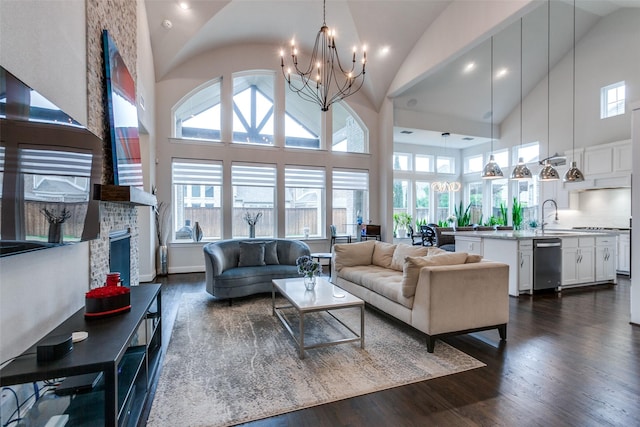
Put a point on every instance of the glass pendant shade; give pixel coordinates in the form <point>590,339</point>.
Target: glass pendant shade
<point>548,172</point>
<point>573,174</point>
<point>521,171</point>
<point>492,169</point>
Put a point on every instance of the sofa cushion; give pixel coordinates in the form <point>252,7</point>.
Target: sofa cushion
<point>402,251</point>
<point>350,254</point>
<point>471,258</point>
<point>251,254</point>
<point>271,253</point>
<point>383,281</point>
<point>383,254</point>
<point>413,265</point>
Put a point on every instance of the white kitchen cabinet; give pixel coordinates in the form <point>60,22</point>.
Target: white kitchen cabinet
<point>624,253</point>
<point>605,259</point>
<point>525,268</point>
<point>472,245</point>
<point>578,260</point>
<point>518,254</point>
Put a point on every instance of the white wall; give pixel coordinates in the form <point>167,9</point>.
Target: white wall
<point>43,43</point>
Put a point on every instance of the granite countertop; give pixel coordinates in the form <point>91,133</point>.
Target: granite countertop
<point>523,235</point>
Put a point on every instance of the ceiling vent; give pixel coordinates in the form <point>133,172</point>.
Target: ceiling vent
<point>555,160</point>
<point>406,132</point>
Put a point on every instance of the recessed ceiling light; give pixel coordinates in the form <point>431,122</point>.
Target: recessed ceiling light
<point>167,24</point>
<point>384,50</point>
<point>184,5</point>
<point>469,67</point>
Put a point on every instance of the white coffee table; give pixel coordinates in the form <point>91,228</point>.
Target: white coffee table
<point>324,297</point>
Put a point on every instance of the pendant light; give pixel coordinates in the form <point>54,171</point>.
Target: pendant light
<point>521,171</point>
<point>492,169</point>
<point>548,172</point>
<point>574,174</point>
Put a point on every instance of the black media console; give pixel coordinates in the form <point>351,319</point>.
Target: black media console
<point>120,356</point>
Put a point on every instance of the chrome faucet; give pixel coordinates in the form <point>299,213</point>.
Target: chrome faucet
<point>543,217</point>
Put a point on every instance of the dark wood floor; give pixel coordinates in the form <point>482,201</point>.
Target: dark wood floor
<point>571,359</point>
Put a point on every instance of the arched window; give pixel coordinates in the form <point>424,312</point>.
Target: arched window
<point>197,115</point>
<point>253,108</point>
<point>349,134</point>
<point>302,121</point>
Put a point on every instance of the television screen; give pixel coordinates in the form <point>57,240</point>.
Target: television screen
<point>123,117</point>
<point>49,164</point>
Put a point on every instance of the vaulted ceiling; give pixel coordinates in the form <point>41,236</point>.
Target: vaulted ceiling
<point>178,35</point>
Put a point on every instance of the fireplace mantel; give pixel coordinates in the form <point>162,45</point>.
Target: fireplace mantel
<point>124,194</point>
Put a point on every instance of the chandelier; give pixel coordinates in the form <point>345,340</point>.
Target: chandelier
<point>324,81</point>
<point>445,186</point>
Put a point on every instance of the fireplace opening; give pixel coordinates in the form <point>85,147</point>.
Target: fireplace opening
<point>120,254</point>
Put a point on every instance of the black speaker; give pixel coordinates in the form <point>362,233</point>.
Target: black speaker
<point>54,348</point>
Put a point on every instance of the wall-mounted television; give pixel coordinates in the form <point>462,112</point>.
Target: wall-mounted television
<point>123,117</point>
<point>49,164</point>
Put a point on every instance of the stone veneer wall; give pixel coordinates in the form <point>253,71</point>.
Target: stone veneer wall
<point>119,17</point>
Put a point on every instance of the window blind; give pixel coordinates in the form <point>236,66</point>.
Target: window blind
<point>304,178</point>
<point>188,173</point>
<point>346,180</point>
<point>53,162</point>
<point>253,176</point>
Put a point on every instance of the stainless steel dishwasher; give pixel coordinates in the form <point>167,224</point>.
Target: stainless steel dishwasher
<point>547,263</point>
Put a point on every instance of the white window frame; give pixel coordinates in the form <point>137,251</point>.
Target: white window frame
<point>606,110</point>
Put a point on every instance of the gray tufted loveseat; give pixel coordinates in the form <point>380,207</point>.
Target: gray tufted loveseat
<point>241,267</point>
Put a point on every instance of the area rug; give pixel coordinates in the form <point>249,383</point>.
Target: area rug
<point>229,365</point>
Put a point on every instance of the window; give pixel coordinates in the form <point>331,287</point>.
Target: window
<point>527,191</point>
<point>499,195</point>
<point>197,116</point>
<point>254,190</point>
<point>197,197</point>
<point>474,196</point>
<point>304,199</point>
<point>445,164</point>
<point>529,152</point>
<point>400,196</point>
<point>349,135</point>
<point>612,100</point>
<point>350,200</point>
<point>473,164</point>
<point>423,197</point>
<point>444,202</point>
<point>501,157</point>
<point>424,163</point>
<point>253,108</point>
<point>302,121</point>
<point>401,161</point>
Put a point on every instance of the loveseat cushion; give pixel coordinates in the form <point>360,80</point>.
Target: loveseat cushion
<point>351,254</point>
<point>251,254</point>
<point>413,265</point>
<point>383,254</point>
<point>402,251</point>
<point>471,258</point>
<point>271,253</point>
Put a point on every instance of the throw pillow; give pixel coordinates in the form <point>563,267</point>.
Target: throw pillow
<point>352,254</point>
<point>402,251</point>
<point>413,265</point>
<point>271,253</point>
<point>432,250</point>
<point>471,258</point>
<point>251,254</point>
<point>383,254</point>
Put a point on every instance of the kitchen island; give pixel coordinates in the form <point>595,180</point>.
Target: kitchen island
<point>587,257</point>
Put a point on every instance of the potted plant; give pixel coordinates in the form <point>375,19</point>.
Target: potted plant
<point>516,214</point>
<point>401,221</point>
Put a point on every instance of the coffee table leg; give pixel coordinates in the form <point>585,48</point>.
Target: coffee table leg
<point>301,335</point>
<point>273,300</point>
<point>362,326</point>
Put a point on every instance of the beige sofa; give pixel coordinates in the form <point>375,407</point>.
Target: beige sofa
<point>437,292</point>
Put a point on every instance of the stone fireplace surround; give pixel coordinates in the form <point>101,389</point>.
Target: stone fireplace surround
<point>119,17</point>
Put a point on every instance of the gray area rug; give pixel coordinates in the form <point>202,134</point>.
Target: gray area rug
<point>229,365</point>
